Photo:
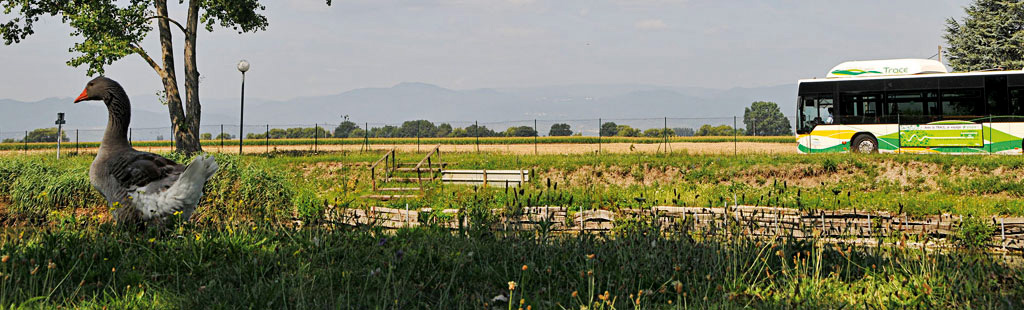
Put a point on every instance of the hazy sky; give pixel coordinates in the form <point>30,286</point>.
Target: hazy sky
<point>311,49</point>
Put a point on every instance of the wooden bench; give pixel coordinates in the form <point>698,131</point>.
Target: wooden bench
<point>496,178</point>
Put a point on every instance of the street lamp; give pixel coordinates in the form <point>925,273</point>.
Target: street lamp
<point>60,125</point>
<point>243,66</point>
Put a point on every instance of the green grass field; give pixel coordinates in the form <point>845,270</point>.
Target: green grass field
<point>245,251</point>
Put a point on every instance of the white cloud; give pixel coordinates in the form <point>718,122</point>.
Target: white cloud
<point>650,24</point>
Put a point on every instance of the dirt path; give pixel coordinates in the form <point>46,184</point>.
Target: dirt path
<point>724,148</point>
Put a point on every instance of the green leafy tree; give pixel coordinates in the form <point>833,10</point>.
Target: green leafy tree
<point>723,130</point>
<point>206,136</point>
<point>609,129</point>
<point>990,36</point>
<point>765,119</point>
<point>42,135</point>
<point>480,131</point>
<point>225,136</point>
<point>110,30</point>
<point>443,130</point>
<point>658,132</point>
<point>521,131</point>
<point>387,131</point>
<point>344,130</point>
<point>417,128</point>
<point>292,133</point>
<point>683,132</point>
<point>626,131</point>
<point>560,130</point>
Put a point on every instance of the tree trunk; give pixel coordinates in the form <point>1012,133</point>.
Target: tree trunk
<point>168,76</point>
<point>188,133</point>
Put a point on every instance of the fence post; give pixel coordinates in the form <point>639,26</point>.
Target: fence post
<point>476,132</point>
<point>315,136</point>
<point>59,136</point>
<point>26,141</point>
<point>366,136</point>
<point>76,141</point>
<point>664,132</point>
<point>735,134</point>
<point>417,136</point>
<point>221,138</point>
<point>535,134</point>
<point>599,133</point>
<point>268,138</point>
<point>129,136</point>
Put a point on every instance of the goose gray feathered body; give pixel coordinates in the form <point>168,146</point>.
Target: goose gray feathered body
<point>140,185</point>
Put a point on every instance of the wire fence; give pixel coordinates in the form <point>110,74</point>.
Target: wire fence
<point>597,130</point>
<point>643,127</point>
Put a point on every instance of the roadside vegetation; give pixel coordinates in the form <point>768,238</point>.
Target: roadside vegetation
<point>260,239</point>
<point>298,184</point>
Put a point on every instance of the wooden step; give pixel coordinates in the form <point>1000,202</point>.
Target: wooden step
<point>422,169</point>
<point>390,197</point>
<point>408,180</point>
<point>397,189</point>
<point>414,164</point>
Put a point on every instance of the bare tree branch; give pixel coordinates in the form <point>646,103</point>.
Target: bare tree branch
<point>172,21</point>
<point>149,60</point>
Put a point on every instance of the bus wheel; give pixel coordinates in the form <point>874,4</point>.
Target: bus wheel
<point>864,144</point>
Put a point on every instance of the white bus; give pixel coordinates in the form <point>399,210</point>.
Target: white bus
<point>910,106</point>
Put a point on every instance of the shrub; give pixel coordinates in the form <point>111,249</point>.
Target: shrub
<point>974,233</point>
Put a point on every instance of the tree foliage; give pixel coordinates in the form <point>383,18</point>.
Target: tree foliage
<point>658,132</point>
<point>990,36</point>
<point>683,132</point>
<point>723,130</point>
<point>521,131</point>
<point>627,131</point>
<point>292,133</point>
<point>609,129</point>
<point>560,130</point>
<point>764,118</point>
<point>345,129</point>
<point>41,135</point>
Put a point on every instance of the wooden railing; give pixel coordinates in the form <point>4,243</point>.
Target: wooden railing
<point>428,160</point>
<point>389,163</point>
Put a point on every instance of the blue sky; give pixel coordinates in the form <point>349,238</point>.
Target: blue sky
<point>311,49</point>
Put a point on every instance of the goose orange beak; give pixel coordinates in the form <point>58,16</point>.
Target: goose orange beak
<point>85,94</point>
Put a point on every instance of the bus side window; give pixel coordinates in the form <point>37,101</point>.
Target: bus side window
<point>1016,102</point>
<point>963,104</point>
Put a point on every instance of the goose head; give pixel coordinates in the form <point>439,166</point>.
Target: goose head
<point>100,88</point>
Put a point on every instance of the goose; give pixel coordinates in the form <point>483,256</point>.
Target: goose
<point>140,185</point>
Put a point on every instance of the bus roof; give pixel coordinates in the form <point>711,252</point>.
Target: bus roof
<point>886,67</point>
<point>931,75</point>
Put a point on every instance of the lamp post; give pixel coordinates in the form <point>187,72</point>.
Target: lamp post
<point>243,66</point>
<point>60,126</point>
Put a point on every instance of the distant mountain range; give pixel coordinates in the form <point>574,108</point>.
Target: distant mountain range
<point>408,101</point>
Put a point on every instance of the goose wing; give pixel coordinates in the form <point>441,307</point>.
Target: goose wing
<point>141,169</point>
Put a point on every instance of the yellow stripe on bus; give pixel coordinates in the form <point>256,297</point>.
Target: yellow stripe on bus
<point>834,134</point>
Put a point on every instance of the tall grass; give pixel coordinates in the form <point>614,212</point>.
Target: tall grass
<point>81,263</point>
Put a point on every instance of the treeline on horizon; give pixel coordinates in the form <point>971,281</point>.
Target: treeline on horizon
<point>760,119</point>
<point>427,129</point>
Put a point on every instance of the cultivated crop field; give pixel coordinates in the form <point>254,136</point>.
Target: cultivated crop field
<point>264,238</point>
